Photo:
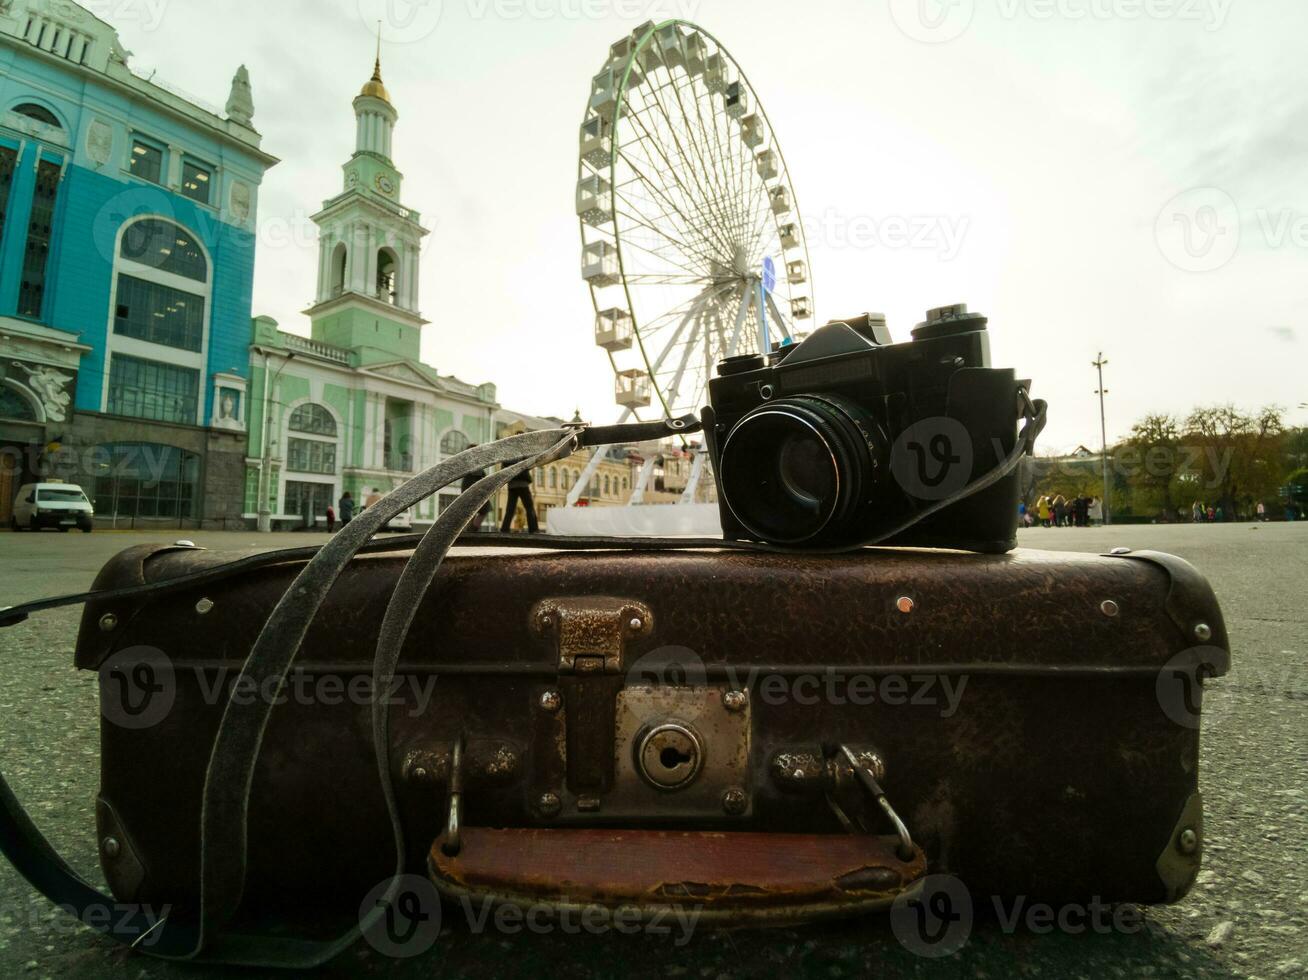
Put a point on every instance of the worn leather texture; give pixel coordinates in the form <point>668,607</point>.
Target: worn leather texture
<point>1051,771</point>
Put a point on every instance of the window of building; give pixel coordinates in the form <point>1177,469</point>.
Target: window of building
<point>165,247</point>
<point>40,113</point>
<point>388,276</point>
<point>313,448</point>
<point>314,420</point>
<point>15,406</point>
<point>454,443</point>
<point>36,257</point>
<point>159,314</point>
<point>554,478</point>
<point>147,162</point>
<point>143,479</point>
<point>310,498</point>
<point>8,164</point>
<point>197,181</point>
<point>606,486</point>
<point>152,390</point>
<point>310,456</point>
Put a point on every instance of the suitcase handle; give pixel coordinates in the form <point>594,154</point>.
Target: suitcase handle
<point>729,878</point>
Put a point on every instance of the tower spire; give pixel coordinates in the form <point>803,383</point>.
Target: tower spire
<point>376,72</point>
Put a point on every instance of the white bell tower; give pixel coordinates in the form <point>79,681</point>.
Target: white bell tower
<point>370,244</point>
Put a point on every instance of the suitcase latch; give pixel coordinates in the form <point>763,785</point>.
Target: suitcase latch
<point>591,631</point>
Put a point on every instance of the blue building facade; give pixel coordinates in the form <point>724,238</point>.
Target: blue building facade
<point>127,248</point>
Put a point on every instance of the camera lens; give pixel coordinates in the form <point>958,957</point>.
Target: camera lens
<point>797,467</point>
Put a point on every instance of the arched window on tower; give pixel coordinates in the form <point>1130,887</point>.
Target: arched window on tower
<point>340,259</point>
<point>388,277</point>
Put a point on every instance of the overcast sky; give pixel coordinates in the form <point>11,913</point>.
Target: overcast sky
<point>1115,175</point>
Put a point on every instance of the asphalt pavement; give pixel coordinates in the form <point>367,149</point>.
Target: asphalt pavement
<point>1247,916</point>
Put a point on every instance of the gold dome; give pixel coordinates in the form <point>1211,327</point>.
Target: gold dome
<point>374,87</point>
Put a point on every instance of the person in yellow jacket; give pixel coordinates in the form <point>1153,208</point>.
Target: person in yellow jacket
<point>1042,511</point>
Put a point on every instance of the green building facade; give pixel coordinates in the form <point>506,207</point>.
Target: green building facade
<point>351,408</point>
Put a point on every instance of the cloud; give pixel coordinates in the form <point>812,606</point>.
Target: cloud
<point>1284,334</point>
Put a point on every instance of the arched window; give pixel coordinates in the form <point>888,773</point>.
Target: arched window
<point>606,486</point>
<point>40,113</point>
<point>388,276</point>
<point>313,420</point>
<point>554,478</point>
<point>312,448</point>
<point>14,406</point>
<point>160,324</point>
<point>164,246</point>
<point>145,479</point>
<point>340,260</point>
<point>454,443</point>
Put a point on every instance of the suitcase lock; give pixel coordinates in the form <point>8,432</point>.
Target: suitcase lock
<point>610,744</point>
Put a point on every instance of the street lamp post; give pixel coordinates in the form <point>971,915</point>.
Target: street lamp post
<point>1099,365</point>
<point>265,465</point>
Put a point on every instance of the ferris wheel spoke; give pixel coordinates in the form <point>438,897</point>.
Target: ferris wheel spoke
<point>686,248</point>
<point>695,171</point>
<point>697,136</point>
<point>661,190</point>
<point>643,179</point>
<point>672,182</point>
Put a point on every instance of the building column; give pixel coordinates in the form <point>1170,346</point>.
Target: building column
<point>174,175</point>
<point>412,260</point>
<point>370,275</point>
<point>326,246</point>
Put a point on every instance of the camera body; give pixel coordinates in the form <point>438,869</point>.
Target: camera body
<point>848,435</point>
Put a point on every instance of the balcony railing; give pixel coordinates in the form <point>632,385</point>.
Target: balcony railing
<point>399,462</point>
<point>317,348</point>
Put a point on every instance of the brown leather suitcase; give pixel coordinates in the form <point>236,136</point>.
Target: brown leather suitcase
<point>766,736</point>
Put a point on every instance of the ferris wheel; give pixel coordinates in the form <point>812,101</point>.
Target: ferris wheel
<point>692,243</point>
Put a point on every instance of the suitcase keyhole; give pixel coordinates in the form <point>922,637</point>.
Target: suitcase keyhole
<point>669,755</point>
<point>674,757</point>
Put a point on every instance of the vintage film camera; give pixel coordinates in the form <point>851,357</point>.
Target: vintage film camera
<point>845,437</point>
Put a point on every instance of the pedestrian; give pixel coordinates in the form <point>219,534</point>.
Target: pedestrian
<point>373,499</point>
<point>520,490</point>
<point>1042,511</point>
<point>347,508</point>
<point>1060,510</point>
<point>1212,513</point>
<point>1096,511</point>
<point>1197,512</point>
<point>1262,512</point>
<point>331,519</point>
<point>1082,511</point>
<point>468,483</point>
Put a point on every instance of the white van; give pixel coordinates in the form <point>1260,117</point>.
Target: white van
<point>60,505</point>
